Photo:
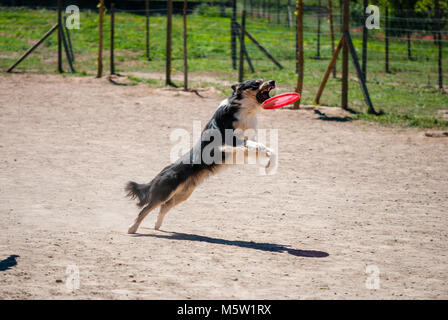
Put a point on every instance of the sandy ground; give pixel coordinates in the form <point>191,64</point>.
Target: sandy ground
<point>347,196</point>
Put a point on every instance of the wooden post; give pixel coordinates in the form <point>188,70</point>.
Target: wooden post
<point>100,44</point>
<point>331,66</point>
<point>278,11</point>
<point>299,22</point>
<point>112,34</point>
<point>260,47</point>
<point>249,62</point>
<point>362,83</point>
<point>67,50</point>
<point>69,41</point>
<point>439,40</point>
<point>233,35</point>
<point>318,31</point>
<point>242,48</point>
<point>223,8</point>
<point>386,40</point>
<point>59,37</point>
<point>185,46</point>
<point>346,39</point>
<point>269,10</point>
<point>341,5</point>
<point>364,42</point>
<point>147,28</point>
<point>297,45</point>
<point>56,26</point>
<point>264,8</point>
<point>169,24</point>
<point>345,29</point>
<point>408,36</point>
<point>330,12</point>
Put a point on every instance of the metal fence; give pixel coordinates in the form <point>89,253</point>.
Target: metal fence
<point>404,56</point>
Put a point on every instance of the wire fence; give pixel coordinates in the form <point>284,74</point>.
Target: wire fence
<point>413,47</point>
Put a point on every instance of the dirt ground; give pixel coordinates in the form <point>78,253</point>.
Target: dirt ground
<point>347,197</point>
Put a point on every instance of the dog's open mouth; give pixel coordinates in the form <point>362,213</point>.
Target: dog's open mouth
<point>263,94</point>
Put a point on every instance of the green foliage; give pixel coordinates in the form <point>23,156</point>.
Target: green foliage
<point>408,96</point>
<point>207,10</point>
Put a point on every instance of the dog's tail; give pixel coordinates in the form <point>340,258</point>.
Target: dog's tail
<point>141,191</point>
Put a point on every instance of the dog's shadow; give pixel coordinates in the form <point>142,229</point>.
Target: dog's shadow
<point>9,262</point>
<point>270,247</point>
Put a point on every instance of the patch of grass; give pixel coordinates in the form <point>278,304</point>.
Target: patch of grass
<point>405,120</point>
<point>407,96</point>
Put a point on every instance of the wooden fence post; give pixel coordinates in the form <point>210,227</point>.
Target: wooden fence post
<point>249,62</point>
<point>185,46</point>
<point>269,10</point>
<point>223,8</point>
<point>112,34</point>
<point>364,42</point>
<point>365,92</point>
<point>46,35</point>
<point>233,35</point>
<point>278,11</point>
<point>299,36</point>
<point>260,47</point>
<point>330,12</point>
<point>147,28</point>
<point>386,40</point>
<point>408,38</point>
<point>100,44</point>
<point>318,31</point>
<point>242,47</point>
<point>69,41</point>
<point>67,50</point>
<point>59,36</point>
<point>331,66</point>
<point>345,29</point>
<point>169,24</point>
<point>439,40</point>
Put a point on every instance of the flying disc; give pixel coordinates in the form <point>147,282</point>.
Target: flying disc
<point>281,100</point>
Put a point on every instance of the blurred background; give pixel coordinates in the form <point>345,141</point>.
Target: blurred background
<point>407,84</point>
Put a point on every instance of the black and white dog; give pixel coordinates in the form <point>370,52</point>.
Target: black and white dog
<point>238,115</point>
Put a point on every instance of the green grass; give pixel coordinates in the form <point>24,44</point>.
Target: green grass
<point>407,96</point>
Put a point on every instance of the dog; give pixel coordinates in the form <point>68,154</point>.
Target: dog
<point>236,115</point>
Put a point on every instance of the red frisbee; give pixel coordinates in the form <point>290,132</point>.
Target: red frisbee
<point>281,100</point>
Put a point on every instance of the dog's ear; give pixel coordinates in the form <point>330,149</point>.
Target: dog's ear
<point>236,86</point>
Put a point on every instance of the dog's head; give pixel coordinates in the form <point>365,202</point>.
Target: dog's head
<point>257,90</point>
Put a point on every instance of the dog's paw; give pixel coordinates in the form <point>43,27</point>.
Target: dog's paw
<point>271,166</point>
<point>133,228</point>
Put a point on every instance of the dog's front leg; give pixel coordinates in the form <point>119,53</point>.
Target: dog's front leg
<point>253,150</point>
<point>263,153</point>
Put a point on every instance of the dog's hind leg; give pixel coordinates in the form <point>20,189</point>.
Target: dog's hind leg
<point>181,195</point>
<point>163,211</point>
<point>151,206</point>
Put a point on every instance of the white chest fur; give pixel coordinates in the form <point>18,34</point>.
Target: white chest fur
<point>247,120</point>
